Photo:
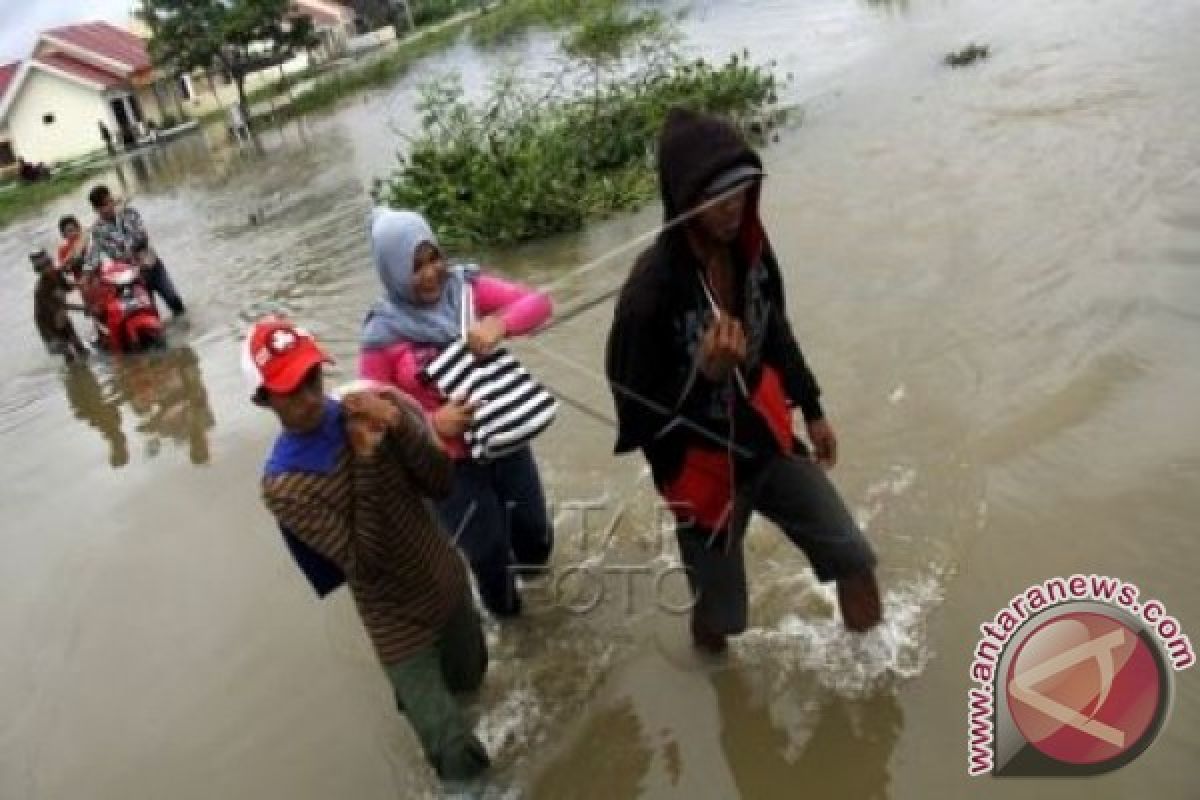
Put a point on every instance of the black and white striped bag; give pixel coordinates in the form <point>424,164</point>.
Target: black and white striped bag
<point>511,406</point>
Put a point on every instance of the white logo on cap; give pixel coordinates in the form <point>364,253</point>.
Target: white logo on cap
<point>282,340</point>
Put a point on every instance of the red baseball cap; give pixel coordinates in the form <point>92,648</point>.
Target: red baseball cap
<point>278,354</point>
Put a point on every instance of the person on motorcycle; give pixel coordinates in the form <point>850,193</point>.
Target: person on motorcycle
<point>72,250</point>
<point>120,234</point>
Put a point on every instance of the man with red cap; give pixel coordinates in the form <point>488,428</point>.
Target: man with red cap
<point>349,482</point>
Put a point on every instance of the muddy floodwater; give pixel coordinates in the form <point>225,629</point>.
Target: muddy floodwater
<point>994,271</point>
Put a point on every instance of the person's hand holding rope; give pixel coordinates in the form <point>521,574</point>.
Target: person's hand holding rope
<point>485,335</point>
<point>722,348</point>
<point>824,442</point>
<point>453,419</point>
<point>368,417</point>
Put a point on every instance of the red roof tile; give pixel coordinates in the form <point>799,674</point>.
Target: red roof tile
<point>80,70</point>
<point>7,73</point>
<point>105,40</point>
<point>320,16</point>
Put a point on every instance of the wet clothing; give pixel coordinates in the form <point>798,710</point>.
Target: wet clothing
<point>794,493</point>
<point>425,684</point>
<point>719,450</point>
<point>401,362</point>
<point>121,239</point>
<point>682,421</point>
<point>400,339</point>
<point>496,514</point>
<point>158,281</point>
<point>50,315</point>
<point>125,239</point>
<point>370,517</point>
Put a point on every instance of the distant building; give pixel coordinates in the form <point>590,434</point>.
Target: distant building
<point>8,153</point>
<point>334,23</point>
<point>204,91</point>
<point>82,76</point>
<point>79,77</point>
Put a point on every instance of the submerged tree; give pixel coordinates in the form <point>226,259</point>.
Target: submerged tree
<point>237,36</point>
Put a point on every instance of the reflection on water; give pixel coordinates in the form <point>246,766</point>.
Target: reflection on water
<point>618,747</point>
<point>845,749</point>
<point>162,394</point>
<point>994,272</point>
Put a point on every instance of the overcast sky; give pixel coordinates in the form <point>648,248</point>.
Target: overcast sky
<point>22,20</point>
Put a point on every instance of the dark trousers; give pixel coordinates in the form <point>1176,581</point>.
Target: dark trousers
<point>425,684</point>
<point>496,514</point>
<point>794,493</point>
<point>159,282</point>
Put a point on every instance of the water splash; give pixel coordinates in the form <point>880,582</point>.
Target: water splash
<point>898,481</point>
<point>509,722</point>
<point>850,665</point>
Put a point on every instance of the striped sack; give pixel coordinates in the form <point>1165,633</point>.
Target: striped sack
<point>511,407</point>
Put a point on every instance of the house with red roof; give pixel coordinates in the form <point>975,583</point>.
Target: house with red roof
<point>8,153</point>
<point>91,77</point>
<point>204,91</point>
<point>79,80</point>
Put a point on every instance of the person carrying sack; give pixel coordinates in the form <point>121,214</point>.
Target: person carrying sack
<point>348,481</point>
<point>496,511</point>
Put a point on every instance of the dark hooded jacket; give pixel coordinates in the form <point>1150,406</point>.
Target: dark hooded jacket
<point>662,312</point>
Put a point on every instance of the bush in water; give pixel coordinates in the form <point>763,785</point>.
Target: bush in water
<point>531,161</point>
<point>432,11</point>
<point>506,20</point>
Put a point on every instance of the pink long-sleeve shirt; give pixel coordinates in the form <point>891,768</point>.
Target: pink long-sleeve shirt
<point>522,309</point>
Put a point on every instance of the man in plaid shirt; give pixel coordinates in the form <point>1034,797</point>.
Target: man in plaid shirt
<point>121,235</point>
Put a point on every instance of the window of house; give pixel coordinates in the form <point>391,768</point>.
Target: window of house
<point>47,119</point>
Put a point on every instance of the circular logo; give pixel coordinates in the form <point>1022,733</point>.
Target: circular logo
<point>1084,688</point>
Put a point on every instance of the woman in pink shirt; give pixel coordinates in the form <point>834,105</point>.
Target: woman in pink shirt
<point>497,510</point>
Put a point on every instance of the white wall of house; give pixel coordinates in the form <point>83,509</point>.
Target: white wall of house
<point>371,39</point>
<point>202,100</point>
<point>75,110</point>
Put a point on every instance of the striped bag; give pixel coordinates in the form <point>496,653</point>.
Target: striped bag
<point>511,406</point>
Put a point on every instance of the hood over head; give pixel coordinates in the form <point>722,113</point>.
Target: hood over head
<point>695,151</point>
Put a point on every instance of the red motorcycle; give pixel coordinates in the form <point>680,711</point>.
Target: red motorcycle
<point>126,318</point>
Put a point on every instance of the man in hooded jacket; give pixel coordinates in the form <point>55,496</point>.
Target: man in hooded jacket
<point>705,372</point>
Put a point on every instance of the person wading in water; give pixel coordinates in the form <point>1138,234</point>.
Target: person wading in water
<point>705,372</point>
<point>352,481</point>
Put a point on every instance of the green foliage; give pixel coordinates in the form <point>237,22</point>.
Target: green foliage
<point>524,165</point>
<point>22,200</point>
<point>427,12</point>
<point>240,36</point>
<point>606,33</point>
<point>515,16</point>
<point>378,73</point>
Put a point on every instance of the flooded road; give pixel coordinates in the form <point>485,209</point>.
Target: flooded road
<point>995,273</point>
